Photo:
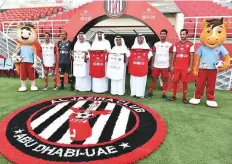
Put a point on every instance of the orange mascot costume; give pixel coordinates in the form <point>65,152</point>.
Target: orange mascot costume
<point>25,57</point>
<point>207,60</point>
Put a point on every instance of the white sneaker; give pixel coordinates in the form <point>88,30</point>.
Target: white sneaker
<point>45,89</point>
<point>34,88</point>
<point>22,89</point>
<point>212,104</point>
<point>55,89</point>
<point>194,101</point>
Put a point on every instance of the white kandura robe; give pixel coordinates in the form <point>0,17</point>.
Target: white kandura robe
<point>100,85</point>
<point>118,86</point>
<point>83,84</point>
<point>138,84</point>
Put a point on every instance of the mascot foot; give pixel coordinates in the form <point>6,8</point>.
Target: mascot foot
<point>194,101</point>
<point>22,89</point>
<point>212,104</point>
<point>34,88</point>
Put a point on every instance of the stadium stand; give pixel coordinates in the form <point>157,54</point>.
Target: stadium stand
<point>195,12</point>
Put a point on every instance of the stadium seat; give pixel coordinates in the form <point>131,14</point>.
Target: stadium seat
<point>60,9</point>
<point>203,8</point>
<point>229,32</point>
<point>190,26</point>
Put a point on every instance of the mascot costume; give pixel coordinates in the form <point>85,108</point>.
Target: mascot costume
<point>207,60</point>
<point>25,57</point>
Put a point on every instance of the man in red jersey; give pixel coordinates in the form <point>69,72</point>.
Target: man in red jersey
<point>181,64</point>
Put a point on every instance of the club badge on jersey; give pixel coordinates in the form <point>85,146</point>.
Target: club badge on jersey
<point>115,66</point>
<point>79,64</point>
<point>138,62</point>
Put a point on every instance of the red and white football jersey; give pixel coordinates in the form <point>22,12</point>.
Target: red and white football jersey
<point>162,51</point>
<point>97,63</point>
<point>79,64</point>
<point>183,50</point>
<point>48,54</point>
<point>115,66</point>
<point>138,62</point>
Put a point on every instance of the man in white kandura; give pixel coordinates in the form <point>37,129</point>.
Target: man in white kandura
<point>116,66</point>
<point>81,64</point>
<point>100,85</point>
<point>138,83</point>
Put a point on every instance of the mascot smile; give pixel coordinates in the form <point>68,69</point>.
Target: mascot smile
<point>207,60</point>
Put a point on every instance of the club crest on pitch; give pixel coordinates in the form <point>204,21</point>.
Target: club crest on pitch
<point>81,129</point>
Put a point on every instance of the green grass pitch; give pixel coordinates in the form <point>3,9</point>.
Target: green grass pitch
<point>195,134</point>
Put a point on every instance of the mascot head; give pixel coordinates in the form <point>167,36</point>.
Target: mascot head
<point>26,34</point>
<point>214,32</point>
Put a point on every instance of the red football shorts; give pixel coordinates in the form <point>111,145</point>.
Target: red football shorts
<point>26,71</point>
<point>160,71</point>
<point>49,68</point>
<point>180,74</point>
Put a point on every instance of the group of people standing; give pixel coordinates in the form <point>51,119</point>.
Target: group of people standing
<point>91,66</point>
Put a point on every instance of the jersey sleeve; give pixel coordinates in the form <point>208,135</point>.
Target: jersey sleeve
<point>223,51</point>
<point>55,48</point>
<point>192,50</point>
<point>199,51</point>
<point>174,49</point>
<point>150,55</point>
<point>171,48</point>
<point>34,49</point>
<point>154,48</point>
<point>18,49</point>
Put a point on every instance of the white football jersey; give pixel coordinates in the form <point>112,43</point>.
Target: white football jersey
<point>115,66</point>
<point>48,54</point>
<point>79,64</point>
<point>162,54</point>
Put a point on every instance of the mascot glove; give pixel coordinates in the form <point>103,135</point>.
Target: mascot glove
<point>34,66</point>
<point>224,67</point>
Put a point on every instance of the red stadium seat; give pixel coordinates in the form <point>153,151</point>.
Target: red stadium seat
<point>65,15</point>
<point>190,27</point>
<point>60,9</point>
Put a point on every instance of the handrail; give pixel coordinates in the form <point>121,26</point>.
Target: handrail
<point>193,30</point>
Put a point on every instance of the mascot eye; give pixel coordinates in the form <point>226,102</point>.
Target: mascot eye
<point>29,33</point>
<point>219,31</point>
<point>208,31</point>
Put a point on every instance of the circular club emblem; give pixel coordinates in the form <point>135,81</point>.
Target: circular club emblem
<point>81,129</point>
<point>115,8</point>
